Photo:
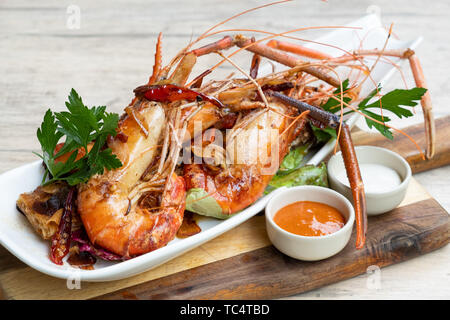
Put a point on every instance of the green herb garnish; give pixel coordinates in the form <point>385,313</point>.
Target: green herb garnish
<point>80,126</point>
<point>325,134</point>
<point>294,159</point>
<point>391,101</point>
<point>333,105</point>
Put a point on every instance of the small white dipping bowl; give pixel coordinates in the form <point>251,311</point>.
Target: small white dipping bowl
<point>304,247</point>
<point>376,202</point>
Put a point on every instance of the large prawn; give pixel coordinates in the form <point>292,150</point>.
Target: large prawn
<point>139,207</point>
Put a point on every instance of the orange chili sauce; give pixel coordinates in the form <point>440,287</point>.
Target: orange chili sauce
<point>308,218</point>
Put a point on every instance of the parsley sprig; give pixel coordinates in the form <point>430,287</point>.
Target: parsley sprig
<point>393,101</point>
<point>80,126</point>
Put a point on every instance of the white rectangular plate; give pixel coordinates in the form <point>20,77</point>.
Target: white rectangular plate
<point>17,236</point>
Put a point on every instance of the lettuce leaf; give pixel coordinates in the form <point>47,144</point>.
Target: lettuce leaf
<point>306,175</point>
<point>323,135</point>
<point>294,159</point>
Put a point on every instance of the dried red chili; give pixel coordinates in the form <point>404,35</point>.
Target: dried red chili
<point>61,240</point>
<point>171,93</point>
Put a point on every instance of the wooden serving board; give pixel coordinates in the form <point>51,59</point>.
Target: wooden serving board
<point>242,264</point>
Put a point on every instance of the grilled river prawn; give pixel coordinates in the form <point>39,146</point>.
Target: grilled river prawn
<point>111,206</point>
<point>139,207</point>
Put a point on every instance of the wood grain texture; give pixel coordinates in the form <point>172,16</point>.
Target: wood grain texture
<point>404,233</point>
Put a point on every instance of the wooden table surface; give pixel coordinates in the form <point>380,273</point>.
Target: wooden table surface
<point>111,53</point>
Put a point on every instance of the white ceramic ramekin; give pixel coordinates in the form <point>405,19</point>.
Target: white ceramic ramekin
<point>376,202</point>
<point>302,247</point>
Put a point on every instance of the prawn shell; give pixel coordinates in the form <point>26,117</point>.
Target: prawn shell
<point>104,204</point>
<point>157,229</point>
<point>244,181</point>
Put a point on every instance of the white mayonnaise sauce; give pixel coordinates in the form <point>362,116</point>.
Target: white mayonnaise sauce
<point>376,177</point>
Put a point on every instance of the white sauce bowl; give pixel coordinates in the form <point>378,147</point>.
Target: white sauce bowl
<point>376,202</point>
<point>304,247</point>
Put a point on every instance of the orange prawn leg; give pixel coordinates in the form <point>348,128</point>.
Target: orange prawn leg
<point>183,69</point>
<point>255,66</point>
<point>349,156</point>
<point>225,43</point>
<point>267,52</point>
<point>356,184</point>
<point>283,58</point>
<point>158,61</point>
<point>197,82</point>
<point>425,102</point>
<point>311,53</point>
<point>181,72</point>
<point>298,49</point>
